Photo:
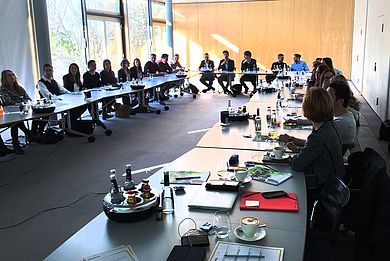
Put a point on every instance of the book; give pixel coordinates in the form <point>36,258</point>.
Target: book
<point>268,175</point>
<point>236,251</point>
<point>120,253</point>
<point>254,200</point>
<point>187,177</point>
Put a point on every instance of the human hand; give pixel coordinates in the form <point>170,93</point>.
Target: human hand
<point>292,147</point>
<point>285,137</point>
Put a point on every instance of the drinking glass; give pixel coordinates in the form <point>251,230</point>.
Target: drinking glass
<point>222,224</point>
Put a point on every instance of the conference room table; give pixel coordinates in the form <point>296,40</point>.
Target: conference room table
<point>153,240</point>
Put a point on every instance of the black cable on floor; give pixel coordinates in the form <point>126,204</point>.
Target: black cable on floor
<point>34,167</point>
<point>51,209</point>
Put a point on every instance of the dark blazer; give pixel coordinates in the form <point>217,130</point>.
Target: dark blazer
<point>248,65</point>
<point>108,77</point>
<point>202,64</point>
<point>91,81</point>
<point>134,73</point>
<point>69,82</point>
<point>122,76</point>
<point>151,67</point>
<point>223,67</point>
<point>164,67</point>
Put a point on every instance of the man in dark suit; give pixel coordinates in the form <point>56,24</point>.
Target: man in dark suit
<point>248,64</point>
<point>151,67</point>
<point>227,65</point>
<point>207,75</point>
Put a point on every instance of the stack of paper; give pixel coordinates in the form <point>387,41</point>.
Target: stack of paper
<point>120,253</point>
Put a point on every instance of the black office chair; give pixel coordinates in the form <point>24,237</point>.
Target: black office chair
<point>325,215</point>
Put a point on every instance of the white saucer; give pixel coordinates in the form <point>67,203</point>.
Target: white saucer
<point>246,180</point>
<point>231,176</point>
<point>259,234</point>
<point>285,156</point>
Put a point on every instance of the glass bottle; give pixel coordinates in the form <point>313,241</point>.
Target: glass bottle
<point>129,183</point>
<point>229,106</point>
<point>116,195</point>
<point>268,116</point>
<point>167,196</point>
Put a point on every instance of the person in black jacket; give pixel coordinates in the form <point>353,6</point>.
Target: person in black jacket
<point>107,77</point>
<point>124,72</point>
<point>227,65</point>
<point>248,64</point>
<point>206,66</point>
<point>151,67</point>
<point>72,80</point>
<point>280,65</point>
<point>163,64</point>
<point>136,72</point>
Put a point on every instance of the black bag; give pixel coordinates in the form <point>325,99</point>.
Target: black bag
<point>193,88</point>
<point>83,126</point>
<point>51,136</point>
<point>236,89</point>
<point>384,131</point>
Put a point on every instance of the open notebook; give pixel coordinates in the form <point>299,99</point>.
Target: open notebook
<point>268,175</point>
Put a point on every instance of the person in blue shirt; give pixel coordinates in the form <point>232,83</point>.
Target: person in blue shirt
<point>298,64</point>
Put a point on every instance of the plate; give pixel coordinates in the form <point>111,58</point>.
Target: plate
<point>285,156</point>
<point>231,176</point>
<point>259,234</point>
<point>246,180</point>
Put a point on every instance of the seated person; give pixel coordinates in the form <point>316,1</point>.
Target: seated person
<point>151,67</point>
<point>107,77</point>
<point>280,65</point>
<point>124,72</point>
<point>175,64</point>
<point>47,87</point>
<point>72,80</point>
<point>136,72</point>
<point>321,154</point>
<point>226,64</point>
<point>248,64</point>
<point>323,76</point>
<point>163,65</point>
<point>298,64</point>
<point>13,94</point>
<point>328,61</point>
<point>343,119</point>
<point>207,78</point>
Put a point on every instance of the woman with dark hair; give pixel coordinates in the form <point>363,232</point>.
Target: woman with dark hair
<point>136,71</point>
<point>124,72</point>
<point>13,94</point>
<point>328,61</point>
<point>323,76</point>
<point>72,80</point>
<point>107,75</point>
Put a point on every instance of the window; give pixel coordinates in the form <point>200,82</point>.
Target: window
<point>159,32</point>
<point>138,30</point>
<point>111,6</point>
<point>66,35</point>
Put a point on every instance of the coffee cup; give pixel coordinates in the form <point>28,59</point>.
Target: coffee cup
<point>241,175</point>
<point>249,225</point>
<point>87,94</point>
<point>278,152</point>
<point>224,117</point>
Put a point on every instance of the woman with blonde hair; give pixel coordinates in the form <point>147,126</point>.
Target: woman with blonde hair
<point>12,93</point>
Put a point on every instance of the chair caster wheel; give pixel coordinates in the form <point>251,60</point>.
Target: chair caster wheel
<point>91,139</point>
<point>193,96</point>
<point>158,112</point>
<point>166,108</point>
<point>108,132</point>
<point>181,94</point>
<point>175,95</point>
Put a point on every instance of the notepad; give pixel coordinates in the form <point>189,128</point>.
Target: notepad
<point>278,204</point>
<point>268,175</point>
<point>187,177</point>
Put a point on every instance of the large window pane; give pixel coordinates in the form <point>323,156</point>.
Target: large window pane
<point>159,39</point>
<point>66,35</point>
<point>158,10</point>
<point>104,5</point>
<point>138,29</point>
<point>105,41</point>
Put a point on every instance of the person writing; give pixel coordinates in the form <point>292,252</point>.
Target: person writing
<point>321,154</point>
<point>248,64</point>
<point>12,93</point>
<point>72,80</point>
<point>298,64</point>
<point>206,67</point>
<point>227,65</point>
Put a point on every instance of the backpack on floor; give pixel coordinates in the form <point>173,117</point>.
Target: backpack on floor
<point>236,89</point>
<point>51,136</point>
<point>83,126</point>
<point>193,88</point>
<point>384,131</point>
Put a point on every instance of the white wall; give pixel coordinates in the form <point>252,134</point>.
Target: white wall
<point>17,50</point>
<point>371,75</point>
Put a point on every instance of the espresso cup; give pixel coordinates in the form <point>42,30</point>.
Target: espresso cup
<point>249,225</point>
<point>241,175</point>
<point>278,152</point>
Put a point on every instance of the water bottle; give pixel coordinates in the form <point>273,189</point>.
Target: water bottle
<point>167,196</point>
<point>229,107</point>
<point>129,183</point>
<point>116,195</point>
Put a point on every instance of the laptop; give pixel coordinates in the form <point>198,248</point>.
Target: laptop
<point>212,200</point>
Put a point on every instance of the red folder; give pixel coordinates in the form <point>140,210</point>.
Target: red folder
<point>278,204</point>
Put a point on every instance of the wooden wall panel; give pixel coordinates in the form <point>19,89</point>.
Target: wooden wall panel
<point>255,31</point>
<point>336,33</point>
<point>313,28</point>
<point>307,29</point>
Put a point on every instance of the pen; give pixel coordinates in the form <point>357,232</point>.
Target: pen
<point>232,255</point>
<point>191,177</point>
<point>250,194</point>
